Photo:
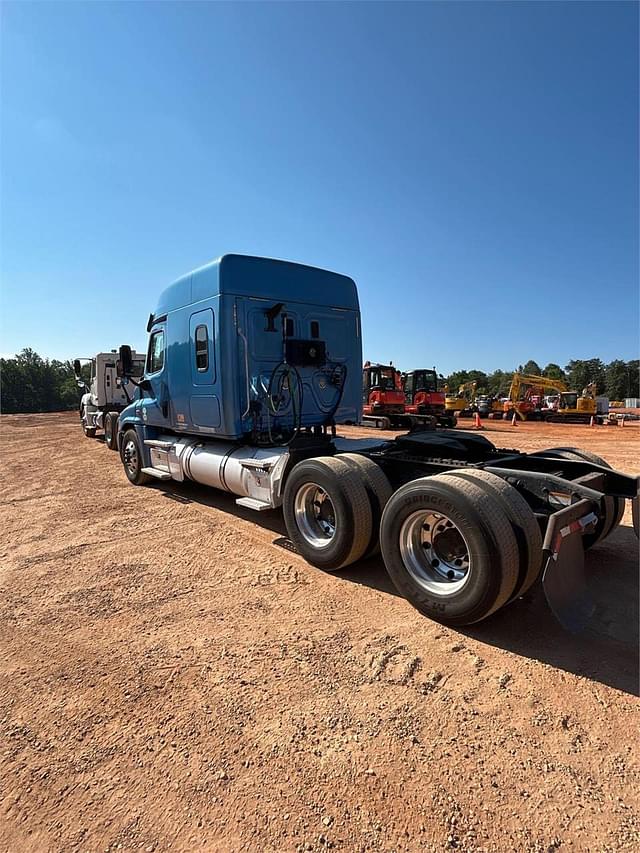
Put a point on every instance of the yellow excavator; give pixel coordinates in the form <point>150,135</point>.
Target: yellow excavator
<point>571,406</point>
<point>460,404</point>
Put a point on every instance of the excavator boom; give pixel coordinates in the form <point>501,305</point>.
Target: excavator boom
<point>572,406</point>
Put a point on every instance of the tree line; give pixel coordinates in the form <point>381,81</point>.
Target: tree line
<point>30,383</point>
<point>617,380</point>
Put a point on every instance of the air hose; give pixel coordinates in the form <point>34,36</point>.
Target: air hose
<point>284,376</point>
<point>340,369</point>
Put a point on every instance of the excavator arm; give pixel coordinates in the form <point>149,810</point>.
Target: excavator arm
<point>524,380</point>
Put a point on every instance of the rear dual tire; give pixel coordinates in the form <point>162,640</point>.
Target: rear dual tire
<point>327,513</point>
<point>332,509</point>
<point>523,524</point>
<point>458,546</point>
<point>450,549</point>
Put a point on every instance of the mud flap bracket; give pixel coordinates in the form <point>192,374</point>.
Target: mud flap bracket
<point>563,580</point>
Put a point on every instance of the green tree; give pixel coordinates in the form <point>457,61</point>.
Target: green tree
<point>616,380</point>
<point>498,383</point>
<point>554,371</point>
<point>456,379</point>
<point>633,378</point>
<point>531,368</point>
<point>582,372</point>
<point>33,384</point>
<point>461,377</point>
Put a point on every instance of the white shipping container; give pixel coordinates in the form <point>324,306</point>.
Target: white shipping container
<point>632,403</point>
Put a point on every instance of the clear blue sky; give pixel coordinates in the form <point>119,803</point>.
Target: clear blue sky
<point>472,165</point>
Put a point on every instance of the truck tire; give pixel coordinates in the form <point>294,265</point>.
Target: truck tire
<point>523,523</point>
<point>327,512</point>
<point>111,430</point>
<point>614,507</point>
<point>378,490</point>
<point>131,456</point>
<point>475,567</point>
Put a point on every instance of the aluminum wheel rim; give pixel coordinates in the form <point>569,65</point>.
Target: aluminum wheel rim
<point>435,553</point>
<point>315,515</point>
<point>131,457</point>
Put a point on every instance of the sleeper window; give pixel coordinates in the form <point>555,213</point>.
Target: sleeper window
<point>202,348</point>
<point>155,360</point>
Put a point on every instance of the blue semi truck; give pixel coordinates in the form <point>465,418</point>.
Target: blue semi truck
<point>251,364</point>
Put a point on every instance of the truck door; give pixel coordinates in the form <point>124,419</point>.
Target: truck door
<point>155,402</point>
<point>204,403</point>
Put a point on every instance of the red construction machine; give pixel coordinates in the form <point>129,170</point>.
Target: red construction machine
<point>423,396</point>
<point>383,400</point>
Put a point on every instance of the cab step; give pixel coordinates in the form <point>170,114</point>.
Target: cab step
<point>253,503</point>
<point>157,473</point>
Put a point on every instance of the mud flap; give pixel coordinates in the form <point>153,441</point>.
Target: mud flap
<point>635,514</point>
<point>564,580</point>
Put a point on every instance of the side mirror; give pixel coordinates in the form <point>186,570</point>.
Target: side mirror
<point>76,367</point>
<point>124,367</point>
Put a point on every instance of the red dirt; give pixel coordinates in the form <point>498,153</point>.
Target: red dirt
<point>172,679</point>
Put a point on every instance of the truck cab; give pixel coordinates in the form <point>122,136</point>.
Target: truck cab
<point>104,395</point>
<point>249,349</point>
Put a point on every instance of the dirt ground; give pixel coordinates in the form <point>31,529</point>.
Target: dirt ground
<point>172,678</point>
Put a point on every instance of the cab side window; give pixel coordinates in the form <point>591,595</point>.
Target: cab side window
<point>202,348</point>
<point>155,357</point>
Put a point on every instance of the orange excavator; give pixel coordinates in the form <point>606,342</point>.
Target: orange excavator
<point>383,400</point>
<point>424,397</point>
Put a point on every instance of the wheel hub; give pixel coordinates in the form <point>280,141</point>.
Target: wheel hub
<point>315,515</point>
<point>130,456</point>
<point>435,553</point>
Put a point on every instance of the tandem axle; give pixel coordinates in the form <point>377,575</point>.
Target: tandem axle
<point>464,527</point>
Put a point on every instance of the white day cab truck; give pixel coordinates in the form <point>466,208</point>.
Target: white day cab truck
<point>252,363</point>
<point>104,395</point>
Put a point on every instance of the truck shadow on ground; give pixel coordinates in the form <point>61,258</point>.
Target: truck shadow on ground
<point>607,651</point>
